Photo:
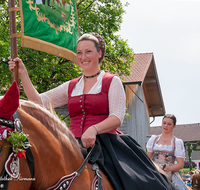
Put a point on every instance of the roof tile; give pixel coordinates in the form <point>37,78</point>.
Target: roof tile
<point>139,69</point>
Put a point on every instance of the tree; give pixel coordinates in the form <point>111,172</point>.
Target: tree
<point>47,71</point>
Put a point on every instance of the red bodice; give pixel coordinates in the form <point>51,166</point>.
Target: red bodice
<point>88,109</point>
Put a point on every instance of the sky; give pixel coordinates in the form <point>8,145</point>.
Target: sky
<point>171,30</point>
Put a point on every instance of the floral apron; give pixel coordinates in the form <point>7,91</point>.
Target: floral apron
<point>167,158</point>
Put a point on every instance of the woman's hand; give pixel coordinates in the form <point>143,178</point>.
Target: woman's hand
<point>167,168</point>
<point>89,137</point>
<point>174,168</point>
<point>29,89</point>
<point>12,65</point>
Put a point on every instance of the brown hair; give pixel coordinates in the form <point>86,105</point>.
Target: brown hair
<point>98,42</point>
<point>171,116</point>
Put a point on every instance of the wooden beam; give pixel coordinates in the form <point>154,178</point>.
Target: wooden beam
<point>16,35</point>
<point>149,80</point>
<point>13,9</point>
<point>155,108</point>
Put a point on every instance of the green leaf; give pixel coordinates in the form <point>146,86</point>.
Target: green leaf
<point>17,141</point>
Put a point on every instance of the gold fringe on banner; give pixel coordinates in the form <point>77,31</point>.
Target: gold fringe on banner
<point>47,47</point>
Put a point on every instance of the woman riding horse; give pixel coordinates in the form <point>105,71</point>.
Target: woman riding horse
<point>96,104</point>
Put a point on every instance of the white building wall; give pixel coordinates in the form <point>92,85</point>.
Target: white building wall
<point>137,126</point>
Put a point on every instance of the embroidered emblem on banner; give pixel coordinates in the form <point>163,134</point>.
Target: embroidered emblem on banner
<point>58,14</point>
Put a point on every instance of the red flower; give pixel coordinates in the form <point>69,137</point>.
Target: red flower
<point>21,154</point>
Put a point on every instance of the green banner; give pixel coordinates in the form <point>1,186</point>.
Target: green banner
<point>50,26</point>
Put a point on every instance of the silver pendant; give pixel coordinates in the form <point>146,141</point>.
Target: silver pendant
<point>12,165</point>
<point>18,125</point>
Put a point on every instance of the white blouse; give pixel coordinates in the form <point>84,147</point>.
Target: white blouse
<point>179,151</point>
<point>116,95</point>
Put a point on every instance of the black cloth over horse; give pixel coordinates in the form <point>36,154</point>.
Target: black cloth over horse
<point>127,165</point>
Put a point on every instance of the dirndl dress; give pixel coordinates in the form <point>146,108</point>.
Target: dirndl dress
<point>127,165</point>
<point>169,161</point>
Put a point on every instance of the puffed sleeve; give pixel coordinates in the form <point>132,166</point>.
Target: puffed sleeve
<point>150,143</point>
<point>179,149</point>
<point>117,99</point>
<point>56,97</point>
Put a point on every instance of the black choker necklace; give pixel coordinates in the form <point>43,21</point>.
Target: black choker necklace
<point>92,76</point>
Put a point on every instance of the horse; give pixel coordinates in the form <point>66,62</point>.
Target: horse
<point>168,177</point>
<point>195,179</point>
<point>56,151</point>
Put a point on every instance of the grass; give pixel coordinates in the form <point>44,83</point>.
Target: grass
<point>185,170</point>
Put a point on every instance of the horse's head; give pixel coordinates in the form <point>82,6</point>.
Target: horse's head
<point>195,178</point>
<point>8,105</point>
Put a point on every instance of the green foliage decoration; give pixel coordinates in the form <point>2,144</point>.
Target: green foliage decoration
<point>190,148</point>
<point>18,142</point>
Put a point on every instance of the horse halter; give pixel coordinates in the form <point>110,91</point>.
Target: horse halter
<point>196,173</point>
<point>15,125</point>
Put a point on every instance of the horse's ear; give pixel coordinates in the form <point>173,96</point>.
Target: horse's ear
<point>10,102</point>
<point>191,172</point>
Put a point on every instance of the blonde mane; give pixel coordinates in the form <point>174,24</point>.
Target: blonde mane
<point>51,121</point>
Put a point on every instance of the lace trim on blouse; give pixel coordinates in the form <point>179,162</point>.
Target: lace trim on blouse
<point>116,95</point>
<point>179,147</point>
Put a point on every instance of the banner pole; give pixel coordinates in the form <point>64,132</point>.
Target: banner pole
<point>13,40</point>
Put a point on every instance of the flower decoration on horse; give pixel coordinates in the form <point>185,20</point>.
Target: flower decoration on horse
<point>18,143</point>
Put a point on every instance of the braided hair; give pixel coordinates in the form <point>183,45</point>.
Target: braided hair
<point>98,42</point>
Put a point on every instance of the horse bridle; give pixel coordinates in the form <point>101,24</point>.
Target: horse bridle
<point>196,184</point>
<point>15,124</point>
<point>65,182</point>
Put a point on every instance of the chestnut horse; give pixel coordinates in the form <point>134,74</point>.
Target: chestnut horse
<point>195,178</point>
<point>56,152</point>
<point>70,154</point>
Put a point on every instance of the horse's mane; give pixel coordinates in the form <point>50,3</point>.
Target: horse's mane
<point>51,121</point>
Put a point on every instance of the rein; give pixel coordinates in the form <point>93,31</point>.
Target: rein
<point>66,182</point>
<point>15,125</point>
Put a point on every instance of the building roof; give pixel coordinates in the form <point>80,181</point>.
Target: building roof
<point>139,68</point>
<point>187,132</point>
<point>144,72</point>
